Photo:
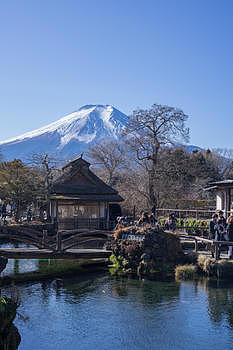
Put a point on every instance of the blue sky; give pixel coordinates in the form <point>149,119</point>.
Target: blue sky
<point>59,55</point>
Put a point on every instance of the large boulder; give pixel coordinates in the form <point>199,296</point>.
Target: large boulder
<point>157,250</point>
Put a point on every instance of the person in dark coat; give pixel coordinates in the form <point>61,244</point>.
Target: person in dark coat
<point>230,234</point>
<point>213,232</point>
<point>213,227</point>
<point>144,219</point>
<point>222,226</point>
<point>29,215</point>
<point>170,223</point>
<point>4,211</point>
<point>222,219</point>
<point>153,220</point>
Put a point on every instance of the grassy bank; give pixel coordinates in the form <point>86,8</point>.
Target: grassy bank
<point>205,266</point>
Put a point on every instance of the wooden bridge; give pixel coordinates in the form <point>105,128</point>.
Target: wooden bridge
<point>217,245</point>
<point>62,245</point>
<point>65,244</point>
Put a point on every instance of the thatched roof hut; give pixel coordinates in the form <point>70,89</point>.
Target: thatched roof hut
<point>79,198</point>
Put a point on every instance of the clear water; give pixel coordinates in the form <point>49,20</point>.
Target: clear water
<point>103,312</point>
<point>18,265</point>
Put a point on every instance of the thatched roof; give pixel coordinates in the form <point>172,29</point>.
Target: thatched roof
<point>79,182</point>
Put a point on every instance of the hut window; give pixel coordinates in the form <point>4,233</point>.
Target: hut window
<point>88,211</point>
<point>81,211</point>
<point>66,211</point>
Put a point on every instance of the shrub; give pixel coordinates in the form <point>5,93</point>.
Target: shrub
<point>198,226</point>
<point>207,265</point>
<point>185,272</point>
<point>215,268</point>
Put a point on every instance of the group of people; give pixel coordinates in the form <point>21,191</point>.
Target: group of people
<point>6,210</point>
<point>122,220</point>
<point>146,218</point>
<point>221,229</point>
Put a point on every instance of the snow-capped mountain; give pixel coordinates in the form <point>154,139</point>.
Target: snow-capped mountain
<point>68,136</point>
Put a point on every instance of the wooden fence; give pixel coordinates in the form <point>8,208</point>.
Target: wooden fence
<point>187,213</point>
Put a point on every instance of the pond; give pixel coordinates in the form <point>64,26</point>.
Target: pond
<point>103,312</point>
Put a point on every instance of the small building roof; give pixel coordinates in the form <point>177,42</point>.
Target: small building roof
<point>77,160</point>
<point>79,182</point>
<point>220,184</point>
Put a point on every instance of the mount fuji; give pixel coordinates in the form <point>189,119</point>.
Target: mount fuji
<point>68,136</point>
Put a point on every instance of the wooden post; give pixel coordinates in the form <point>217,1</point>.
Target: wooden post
<point>216,251</point>
<point>44,238</point>
<point>59,241</point>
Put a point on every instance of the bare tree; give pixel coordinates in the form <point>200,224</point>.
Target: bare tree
<point>224,161</point>
<point>110,155</point>
<point>148,130</point>
<point>47,166</point>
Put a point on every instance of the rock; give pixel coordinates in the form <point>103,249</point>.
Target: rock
<point>158,250</point>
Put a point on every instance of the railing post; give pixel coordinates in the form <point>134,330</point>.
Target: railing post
<point>216,251</point>
<point>59,241</point>
<point>44,238</point>
<point>196,245</point>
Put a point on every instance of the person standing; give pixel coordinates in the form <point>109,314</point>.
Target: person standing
<point>170,223</point>
<point>213,232</point>
<point>4,211</point>
<point>230,234</point>
<point>213,227</point>
<point>222,226</point>
<point>222,219</point>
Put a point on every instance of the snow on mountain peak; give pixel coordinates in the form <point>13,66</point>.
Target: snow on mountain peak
<point>86,125</point>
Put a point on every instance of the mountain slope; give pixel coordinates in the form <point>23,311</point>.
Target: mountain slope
<point>69,135</point>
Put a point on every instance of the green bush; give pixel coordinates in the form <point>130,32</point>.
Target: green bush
<point>116,261</point>
<point>198,227</point>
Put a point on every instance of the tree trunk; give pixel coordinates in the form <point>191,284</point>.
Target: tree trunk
<point>152,190</point>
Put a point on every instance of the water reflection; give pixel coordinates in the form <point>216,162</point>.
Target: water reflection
<point>15,266</point>
<point>220,300</point>
<point>102,312</point>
